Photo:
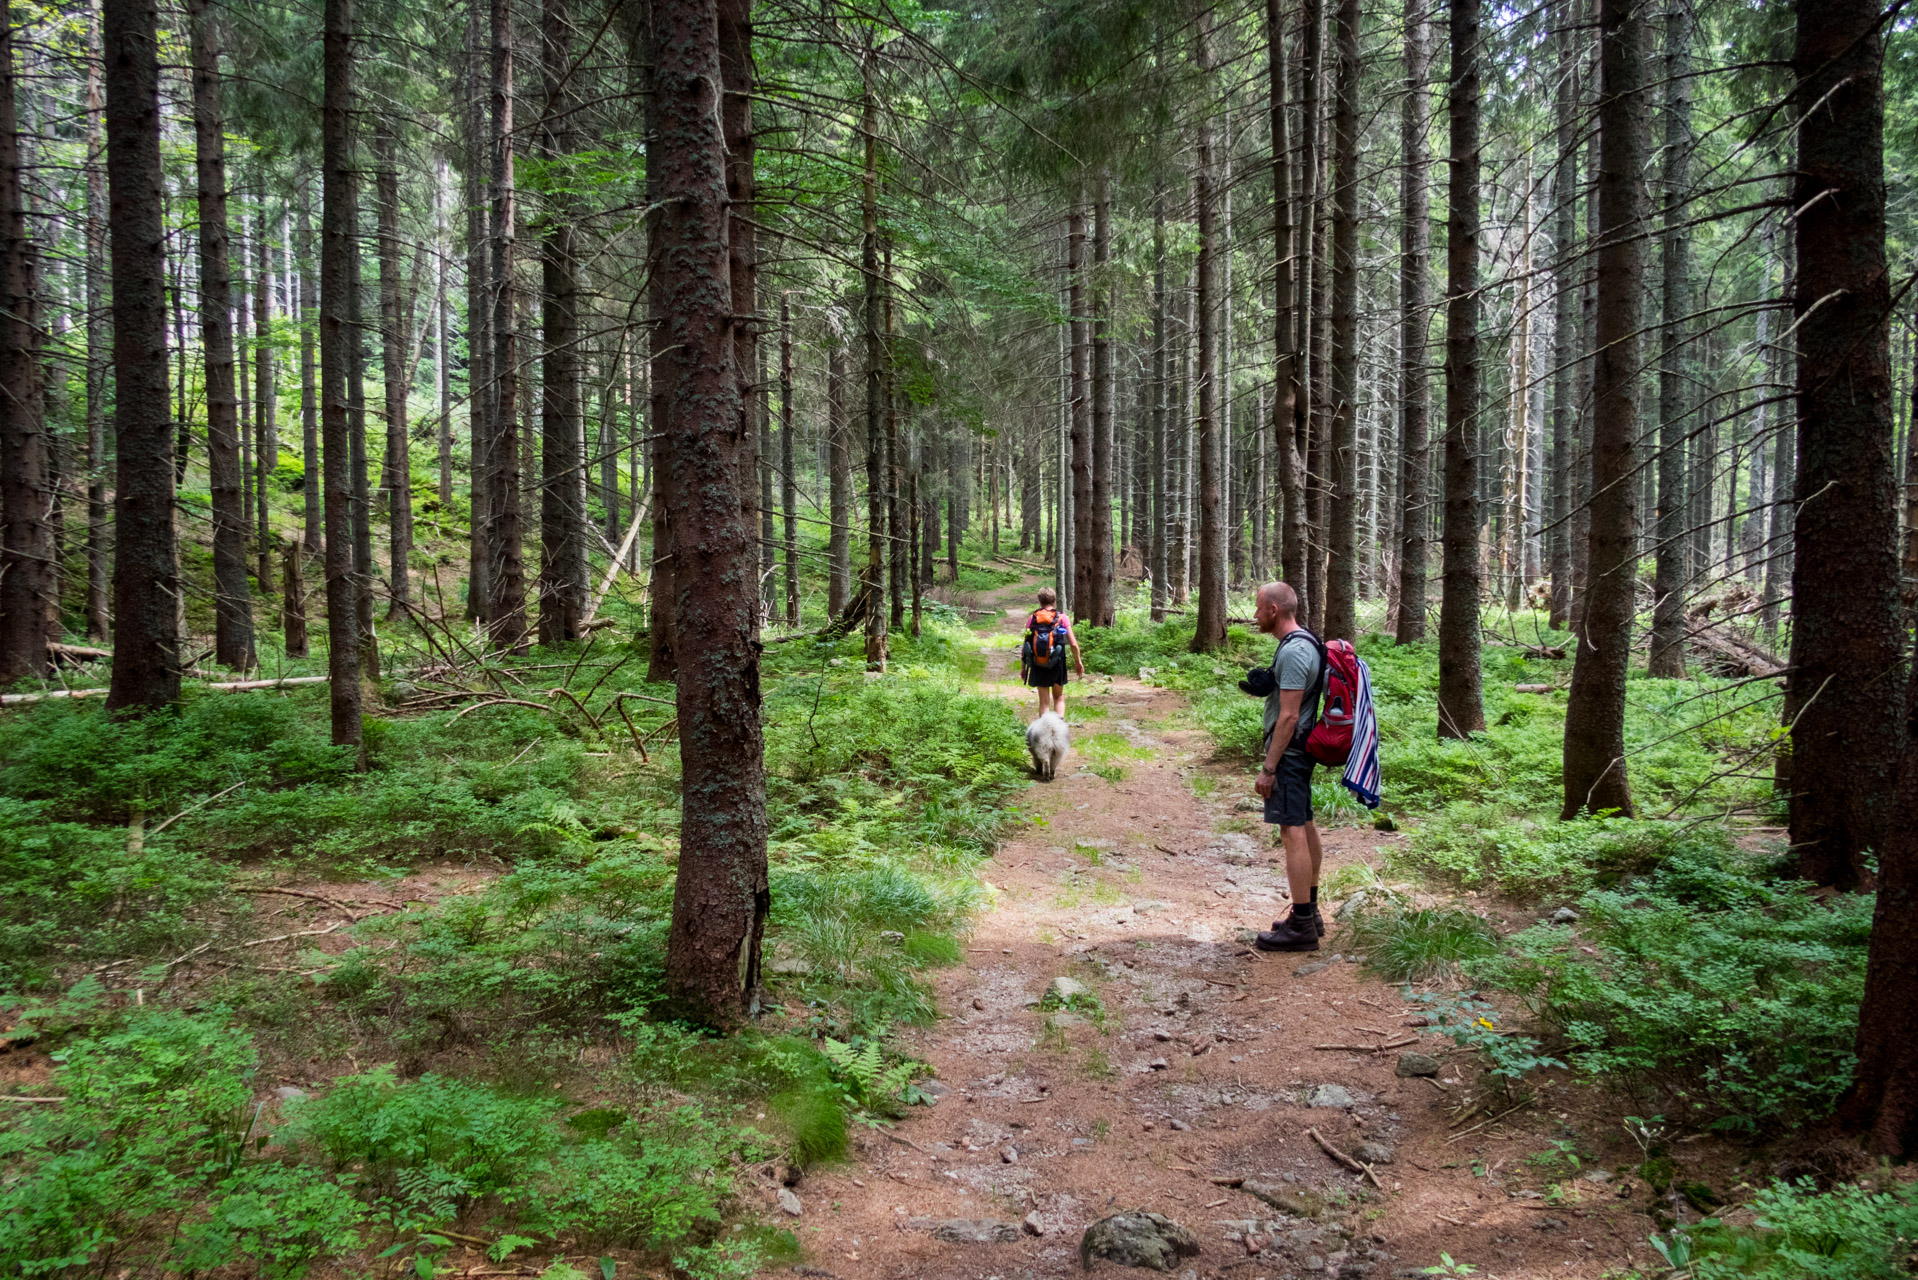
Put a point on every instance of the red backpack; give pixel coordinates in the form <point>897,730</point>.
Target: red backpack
<point>1330,740</point>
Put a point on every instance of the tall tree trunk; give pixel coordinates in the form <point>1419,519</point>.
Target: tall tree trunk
<point>1846,647</point>
<point>1209,617</point>
<point>1461,705</point>
<point>720,890</point>
<point>1341,596</point>
<point>1155,464</point>
<point>1103,609</point>
<point>398,468</point>
<point>1415,258</point>
<point>896,585</point>
<point>442,339</point>
<point>146,646</point>
<point>29,593</point>
<point>1674,385</point>
<point>292,599</point>
<point>1308,316</point>
<point>480,389</point>
<point>266,425</point>
<point>232,597</point>
<point>562,512</point>
<point>1287,388</point>
<point>875,581</point>
<point>505,615</point>
<point>1595,778</point>
<point>1084,547</point>
<point>313,521</point>
<point>1565,280</point>
<point>99,353</point>
<point>363,568</point>
<point>788,478</point>
<point>337,248</point>
<point>839,480</point>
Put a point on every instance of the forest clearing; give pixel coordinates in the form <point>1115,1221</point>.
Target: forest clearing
<point>532,536</point>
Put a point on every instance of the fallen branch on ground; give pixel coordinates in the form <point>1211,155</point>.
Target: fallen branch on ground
<point>1355,1165</point>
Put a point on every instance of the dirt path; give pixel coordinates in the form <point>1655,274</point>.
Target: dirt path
<point>1197,1061</point>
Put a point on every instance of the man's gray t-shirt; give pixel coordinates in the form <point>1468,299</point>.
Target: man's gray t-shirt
<point>1294,666</point>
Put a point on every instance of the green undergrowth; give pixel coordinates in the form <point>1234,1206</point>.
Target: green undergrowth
<point>1796,1232</point>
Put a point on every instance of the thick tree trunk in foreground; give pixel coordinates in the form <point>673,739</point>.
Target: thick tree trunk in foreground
<point>505,612</point>
<point>1595,779</point>
<point>562,513</point>
<point>1461,705</point>
<point>28,591</point>
<point>336,338</point>
<point>1341,584</point>
<point>1845,646</point>
<point>1415,258</point>
<point>1285,379</point>
<point>146,649</point>
<point>232,597</point>
<point>1674,387</point>
<point>720,887</point>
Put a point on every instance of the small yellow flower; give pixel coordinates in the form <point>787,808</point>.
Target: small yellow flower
<point>1486,1023</point>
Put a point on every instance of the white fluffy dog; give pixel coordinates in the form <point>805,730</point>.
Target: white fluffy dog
<point>1048,739</point>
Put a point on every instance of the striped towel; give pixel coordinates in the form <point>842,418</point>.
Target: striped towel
<point>1362,765</point>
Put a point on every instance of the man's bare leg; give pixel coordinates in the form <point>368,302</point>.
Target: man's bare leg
<point>1302,854</point>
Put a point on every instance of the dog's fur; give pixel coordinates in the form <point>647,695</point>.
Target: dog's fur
<point>1048,739</point>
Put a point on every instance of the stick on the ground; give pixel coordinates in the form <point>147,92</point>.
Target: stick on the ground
<point>1356,1166</point>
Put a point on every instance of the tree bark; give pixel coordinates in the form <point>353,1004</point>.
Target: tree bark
<point>1595,777</point>
<point>292,599</point>
<point>146,652</point>
<point>875,579</point>
<point>839,469</point>
<point>99,354</point>
<point>337,248</point>
<point>1156,463</point>
<point>1461,706</point>
<point>788,479</point>
<point>356,328</point>
<point>232,597</point>
<point>313,522</point>
<point>1415,258</point>
<point>1102,611</point>
<point>1565,280</point>
<point>266,426</point>
<point>480,389</point>
<point>1341,596</point>
<point>562,512</point>
<point>1674,385</point>
<point>1208,631</point>
<point>398,480</point>
<point>29,593</point>
<point>719,896</point>
<point>1084,553</point>
<point>1846,654</point>
<point>505,614</point>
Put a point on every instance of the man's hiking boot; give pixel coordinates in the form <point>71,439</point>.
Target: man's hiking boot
<point>1318,918</point>
<point>1289,934</point>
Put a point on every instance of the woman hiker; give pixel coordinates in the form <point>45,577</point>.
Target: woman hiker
<point>1042,654</point>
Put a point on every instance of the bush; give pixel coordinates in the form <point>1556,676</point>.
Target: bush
<point>1848,1233</point>
<point>1735,998</point>
<point>1485,846</point>
<point>1405,945</point>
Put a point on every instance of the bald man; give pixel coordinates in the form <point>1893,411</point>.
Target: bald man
<point>1285,774</point>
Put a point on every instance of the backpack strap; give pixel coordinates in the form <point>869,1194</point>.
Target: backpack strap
<point>1317,687</point>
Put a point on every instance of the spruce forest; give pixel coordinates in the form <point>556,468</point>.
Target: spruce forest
<point>519,520</point>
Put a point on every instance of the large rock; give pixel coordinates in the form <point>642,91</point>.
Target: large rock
<point>1414,1063</point>
<point>1063,990</point>
<point>1331,1095</point>
<point>975,1231</point>
<point>1138,1239</point>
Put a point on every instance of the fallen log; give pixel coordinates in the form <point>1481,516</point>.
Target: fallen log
<point>1726,653</point>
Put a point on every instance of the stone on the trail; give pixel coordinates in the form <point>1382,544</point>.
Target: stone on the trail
<point>1157,1064</point>
<point>790,966</point>
<point>1548,1224</point>
<point>1009,1155</point>
<point>1063,989</point>
<point>1413,1063</point>
<point>1180,1125</point>
<point>1564,915</point>
<point>1161,1035</point>
<point>1288,1200</point>
<point>934,1088</point>
<point>979,1004</point>
<point>1033,1224</point>
<point>288,1093</point>
<point>788,1202</point>
<point>1349,906</point>
<point>975,1231</point>
<point>1307,970</point>
<point>1598,1175</point>
<point>1331,1095</point>
<point>1137,1239</point>
<point>1373,1153</point>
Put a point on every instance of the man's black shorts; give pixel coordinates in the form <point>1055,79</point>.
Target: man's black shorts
<point>1290,804</point>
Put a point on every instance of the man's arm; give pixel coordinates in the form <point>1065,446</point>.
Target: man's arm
<point>1290,703</point>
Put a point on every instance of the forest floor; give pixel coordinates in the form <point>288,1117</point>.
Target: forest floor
<point>1193,1061</point>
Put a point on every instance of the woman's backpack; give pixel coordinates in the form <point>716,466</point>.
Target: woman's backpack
<point>1048,637</point>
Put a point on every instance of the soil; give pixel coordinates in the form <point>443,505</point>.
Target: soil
<point>1199,1064</point>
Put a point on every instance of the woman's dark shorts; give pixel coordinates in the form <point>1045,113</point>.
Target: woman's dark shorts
<point>1049,676</point>
<point>1290,804</point>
